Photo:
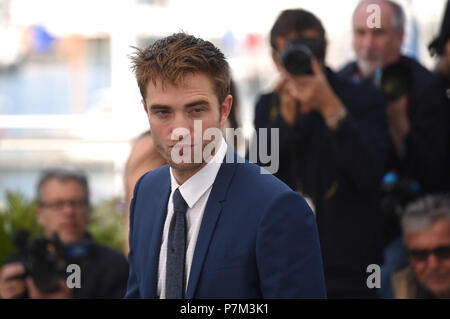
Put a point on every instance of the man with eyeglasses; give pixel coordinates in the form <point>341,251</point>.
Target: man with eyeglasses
<point>426,228</point>
<point>62,209</point>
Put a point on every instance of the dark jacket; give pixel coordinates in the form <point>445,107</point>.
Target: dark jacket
<point>406,286</point>
<point>341,172</point>
<point>426,148</point>
<point>258,238</point>
<point>446,81</point>
<point>104,274</point>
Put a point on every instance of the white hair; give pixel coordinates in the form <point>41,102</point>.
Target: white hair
<point>425,212</point>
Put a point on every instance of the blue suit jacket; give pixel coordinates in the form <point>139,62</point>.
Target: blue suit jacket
<point>258,238</point>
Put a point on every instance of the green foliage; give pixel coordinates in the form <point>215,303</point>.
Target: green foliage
<point>18,214</point>
<point>107,223</point>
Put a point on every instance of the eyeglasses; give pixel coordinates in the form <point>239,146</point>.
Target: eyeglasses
<point>58,205</point>
<point>421,255</point>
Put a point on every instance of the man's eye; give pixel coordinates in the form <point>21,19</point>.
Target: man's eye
<point>197,110</point>
<point>162,113</point>
<point>379,31</point>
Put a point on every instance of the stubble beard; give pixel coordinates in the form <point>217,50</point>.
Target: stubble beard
<point>368,63</point>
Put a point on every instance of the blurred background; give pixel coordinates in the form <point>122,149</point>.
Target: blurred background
<point>68,97</point>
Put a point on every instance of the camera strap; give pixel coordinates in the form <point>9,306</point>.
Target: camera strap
<point>78,249</point>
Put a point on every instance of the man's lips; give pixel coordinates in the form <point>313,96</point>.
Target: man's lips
<point>69,226</point>
<point>182,146</point>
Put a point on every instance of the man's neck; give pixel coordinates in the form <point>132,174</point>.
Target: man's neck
<point>445,295</point>
<point>372,77</point>
<point>182,175</point>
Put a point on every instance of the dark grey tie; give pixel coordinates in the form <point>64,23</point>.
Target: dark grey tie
<point>176,249</point>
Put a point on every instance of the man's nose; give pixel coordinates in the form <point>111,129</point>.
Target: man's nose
<point>433,262</point>
<point>181,126</point>
<point>367,41</point>
<point>68,208</point>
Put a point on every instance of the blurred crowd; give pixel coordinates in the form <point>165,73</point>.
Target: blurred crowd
<point>367,145</point>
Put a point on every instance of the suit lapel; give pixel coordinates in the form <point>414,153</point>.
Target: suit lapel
<point>157,215</point>
<point>211,215</point>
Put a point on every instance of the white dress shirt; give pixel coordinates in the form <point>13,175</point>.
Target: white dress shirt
<point>195,192</point>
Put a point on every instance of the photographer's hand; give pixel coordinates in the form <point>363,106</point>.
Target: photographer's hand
<point>399,126</point>
<point>315,93</point>
<point>34,293</point>
<point>10,287</point>
<point>288,104</point>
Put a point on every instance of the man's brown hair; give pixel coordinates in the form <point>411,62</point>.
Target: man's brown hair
<point>297,20</point>
<point>171,58</point>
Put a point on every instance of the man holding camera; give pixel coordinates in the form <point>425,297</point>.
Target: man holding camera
<point>332,149</point>
<point>418,118</point>
<point>417,114</point>
<point>63,211</point>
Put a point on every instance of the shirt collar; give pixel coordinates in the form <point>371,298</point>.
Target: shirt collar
<point>199,183</point>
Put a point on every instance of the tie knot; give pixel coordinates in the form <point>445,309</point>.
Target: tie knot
<point>179,204</point>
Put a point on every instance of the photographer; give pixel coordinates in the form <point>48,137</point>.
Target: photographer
<point>332,149</point>
<point>63,212</point>
<point>417,113</point>
<point>417,117</point>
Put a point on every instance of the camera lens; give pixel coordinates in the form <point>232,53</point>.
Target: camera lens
<point>297,56</point>
<point>297,59</point>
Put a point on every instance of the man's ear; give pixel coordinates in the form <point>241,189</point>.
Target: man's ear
<point>447,48</point>
<point>88,214</point>
<point>401,36</point>
<point>276,60</point>
<point>225,108</point>
<point>145,106</point>
<point>40,216</point>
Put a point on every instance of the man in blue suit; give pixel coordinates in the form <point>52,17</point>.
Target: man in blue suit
<point>210,225</point>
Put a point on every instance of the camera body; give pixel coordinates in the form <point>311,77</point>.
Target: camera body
<point>396,80</point>
<point>42,260</point>
<point>298,53</point>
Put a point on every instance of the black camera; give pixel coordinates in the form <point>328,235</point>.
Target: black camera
<point>396,80</point>
<point>42,260</point>
<point>296,57</point>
